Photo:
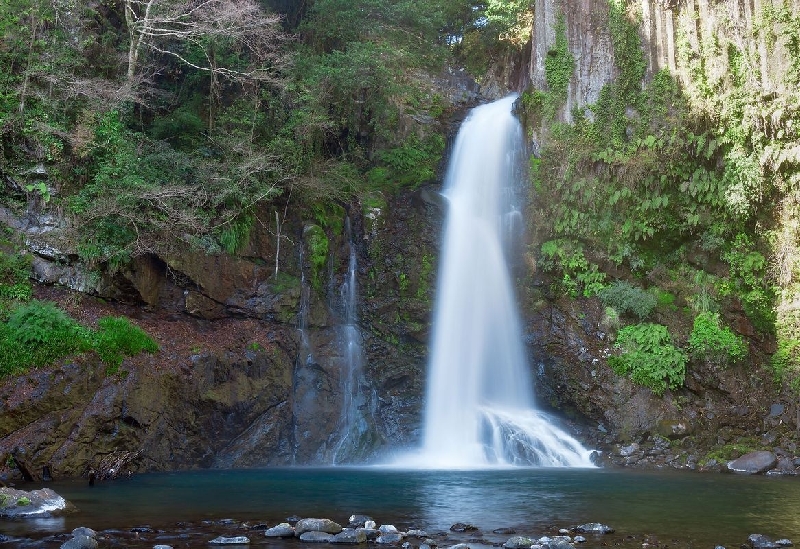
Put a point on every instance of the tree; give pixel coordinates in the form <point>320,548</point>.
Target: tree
<point>176,27</point>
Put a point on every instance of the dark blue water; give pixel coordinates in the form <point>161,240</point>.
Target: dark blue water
<point>697,509</point>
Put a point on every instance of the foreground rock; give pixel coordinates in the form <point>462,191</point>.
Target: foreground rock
<point>754,463</point>
<point>282,530</point>
<point>316,525</point>
<point>36,503</point>
<point>760,541</point>
<point>237,540</point>
<point>82,538</point>
<point>594,528</point>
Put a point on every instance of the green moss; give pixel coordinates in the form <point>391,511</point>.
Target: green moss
<point>318,247</point>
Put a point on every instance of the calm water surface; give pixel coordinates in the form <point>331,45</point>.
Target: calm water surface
<point>700,510</point>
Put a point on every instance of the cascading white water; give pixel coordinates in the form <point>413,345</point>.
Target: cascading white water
<point>355,431</point>
<point>480,409</point>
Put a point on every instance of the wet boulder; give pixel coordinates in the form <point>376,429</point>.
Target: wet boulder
<point>350,535</point>
<point>237,540</point>
<point>389,538</point>
<point>316,537</point>
<point>519,542</point>
<point>594,528</point>
<point>36,503</point>
<point>316,525</point>
<point>753,463</point>
<point>282,530</point>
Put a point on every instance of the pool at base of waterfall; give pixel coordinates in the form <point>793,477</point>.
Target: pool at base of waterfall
<point>683,508</point>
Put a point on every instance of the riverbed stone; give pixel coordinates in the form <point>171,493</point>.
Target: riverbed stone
<point>504,531</point>
<point>80,542</point>
<point>753,463</point>
<point>316,525</point>
<point>84,531</point>
<point>463,527</point>
<point>162,547</point>
<point>282,530</point>
<point>389,538</point>
<point>316,537</point>
<point>518,542</point>
<point>35,503</point>
<point>760,541</point>
<point>358,521</point>
<point>236,540</point>
<point>579,539</point>
<point>417,534</point>
<point>350,535</point>
<point>460,546</point>
<point>387,529</point>
<point>594,528</point>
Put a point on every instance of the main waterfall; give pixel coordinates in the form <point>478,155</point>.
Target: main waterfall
<point>479,408</point>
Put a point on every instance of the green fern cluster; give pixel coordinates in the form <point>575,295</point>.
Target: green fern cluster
<point>649,358</point>
<point>39,333</point>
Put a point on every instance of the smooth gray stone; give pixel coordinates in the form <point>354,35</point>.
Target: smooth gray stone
<point>350,535</point>
<point>519,542</point>
<point>80,542</point>
<point>316,525</point>
<point>237,540</point>
<point>753,463</point>
<point>316,537</point>
<point>83,531</point>
<point>282,530</point>
<point>390,538</point>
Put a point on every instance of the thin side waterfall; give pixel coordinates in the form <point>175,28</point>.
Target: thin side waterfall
<point>355,432</point>
<point>479,404</point>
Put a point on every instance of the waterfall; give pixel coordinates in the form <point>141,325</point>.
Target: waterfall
<point>358,404</point>
<point>479,404</point>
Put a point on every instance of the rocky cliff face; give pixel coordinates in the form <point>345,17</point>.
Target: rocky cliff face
<point>254,367</point>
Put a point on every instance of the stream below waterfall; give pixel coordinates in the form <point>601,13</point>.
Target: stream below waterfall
<point>679,509</point>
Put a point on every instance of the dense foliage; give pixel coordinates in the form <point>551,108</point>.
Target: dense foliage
<point>689,184</point>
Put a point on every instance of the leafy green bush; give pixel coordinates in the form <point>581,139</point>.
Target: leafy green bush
<point>15,285</point>
<point>749,281</point>
<point>39,333</point>
<point>579,276</point>
<point>118,338</point>
<point>627,298</point>
<point>649,358</point>
<point>715,343</point>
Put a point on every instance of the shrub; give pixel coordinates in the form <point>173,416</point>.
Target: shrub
<point>41,333</point>
<point>118,338</point>
<point>579,276</point>
<point>715,343</point>
<point>649,358</point>
<point>627,298</point>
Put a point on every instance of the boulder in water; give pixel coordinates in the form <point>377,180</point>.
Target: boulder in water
<point>282,530</point>
<point>316,537</point>
<point>358,521</point>
<point>237,540</point>
<point>389,538</point>
<point>463,527</point>
<point>316,525</point>
<point>504,531</point>
<point>594,528</point>
<point>753,463</point>
<point>519,542</point>
<point>36,503</point>
<point>350,535</point>
<point>387,529</point>
<point>760,541</point>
